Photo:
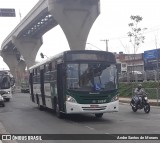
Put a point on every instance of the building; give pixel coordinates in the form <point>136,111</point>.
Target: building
<point>129,62</point>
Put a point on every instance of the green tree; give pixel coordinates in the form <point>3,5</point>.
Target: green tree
<point>136,33</point>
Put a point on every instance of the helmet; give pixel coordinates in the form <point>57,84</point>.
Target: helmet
<point>139,85</point>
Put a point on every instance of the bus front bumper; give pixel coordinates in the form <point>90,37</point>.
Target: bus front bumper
<point>7,96</point>
<point>75,108</point>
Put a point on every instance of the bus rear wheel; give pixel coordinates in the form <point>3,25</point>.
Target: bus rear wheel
<point>40,107</point>
<point>99,115</point>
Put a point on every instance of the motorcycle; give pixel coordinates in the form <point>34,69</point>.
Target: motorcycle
<point>138,104</point>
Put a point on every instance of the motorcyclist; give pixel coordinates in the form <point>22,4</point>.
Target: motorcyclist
<point>139,92</point>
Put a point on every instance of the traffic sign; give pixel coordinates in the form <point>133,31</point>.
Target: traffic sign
<point>7,12</point>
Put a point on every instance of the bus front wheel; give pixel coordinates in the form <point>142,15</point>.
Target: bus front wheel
<point>7,99</point>
<point>99,115</point>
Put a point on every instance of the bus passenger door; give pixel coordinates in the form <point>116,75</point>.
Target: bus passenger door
<point>31,86</point>
<point>42,87</point>
<point>60,86</point>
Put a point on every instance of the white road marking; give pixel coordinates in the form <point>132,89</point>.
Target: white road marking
<point>90,128</point>
<point>106,133</point>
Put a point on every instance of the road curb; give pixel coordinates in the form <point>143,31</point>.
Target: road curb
<point>3,131</point>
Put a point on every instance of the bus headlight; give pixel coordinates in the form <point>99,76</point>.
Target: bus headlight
<point>115,98</point>
<point>71,99</point>
<point>8,92</point>
<point>1,98</point>
<point>145,98</point>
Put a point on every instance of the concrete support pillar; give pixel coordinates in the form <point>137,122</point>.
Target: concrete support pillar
<point>28,48</point>
<point>11,60</point>
<point>21,65</point>
<point>76,18</point>
<point>21,68</point>
<point>17,68</point>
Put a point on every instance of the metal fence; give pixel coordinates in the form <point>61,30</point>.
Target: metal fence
<point>149,79</point>
<point>138,76</point>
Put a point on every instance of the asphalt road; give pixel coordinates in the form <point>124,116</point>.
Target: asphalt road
<point>21,116</point>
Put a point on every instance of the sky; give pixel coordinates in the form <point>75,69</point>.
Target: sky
<point>111,25</point>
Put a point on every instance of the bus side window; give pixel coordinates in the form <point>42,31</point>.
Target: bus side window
<point>49,71</point>
<point>38,75</point>
<point>48,68</point>
<point>34,76</point>
<point>52,71</point>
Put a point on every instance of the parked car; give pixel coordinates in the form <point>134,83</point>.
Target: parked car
<point>2,101</point>
<point>24,87</point>
<point>131,76</point>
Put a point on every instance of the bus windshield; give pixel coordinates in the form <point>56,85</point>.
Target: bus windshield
<point>4,81</point>
<point>91,77</point>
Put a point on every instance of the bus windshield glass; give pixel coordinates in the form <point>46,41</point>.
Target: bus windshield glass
<point>4,81</point>
<point>91,77</point>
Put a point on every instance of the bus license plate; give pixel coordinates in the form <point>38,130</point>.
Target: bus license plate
<point>94,106</point>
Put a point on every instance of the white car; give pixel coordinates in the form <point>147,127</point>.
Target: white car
<point>2,101</point>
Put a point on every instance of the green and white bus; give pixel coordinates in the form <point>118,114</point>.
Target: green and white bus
<point>76,82</point>
<point>6,83</point>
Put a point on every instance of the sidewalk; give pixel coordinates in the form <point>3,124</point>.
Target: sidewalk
<point>153,102</point>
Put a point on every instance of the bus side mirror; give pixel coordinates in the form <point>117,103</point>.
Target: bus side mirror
<point>42,56</point>
<point>12,82</point>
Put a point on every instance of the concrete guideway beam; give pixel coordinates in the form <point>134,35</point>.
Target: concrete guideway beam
<point>28,48</point>
<point>76,18</point>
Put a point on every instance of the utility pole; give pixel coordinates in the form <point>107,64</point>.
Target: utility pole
<point>106,40</point>
<point>20,16</point>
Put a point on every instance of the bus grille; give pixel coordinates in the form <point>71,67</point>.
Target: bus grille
<point>94,108</point>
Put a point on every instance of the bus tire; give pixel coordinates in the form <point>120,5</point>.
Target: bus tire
<point>99,115</point>
<point>7,99</point>
<point>55,104</point>
<point>40,107</point>
<point>58,113</point>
